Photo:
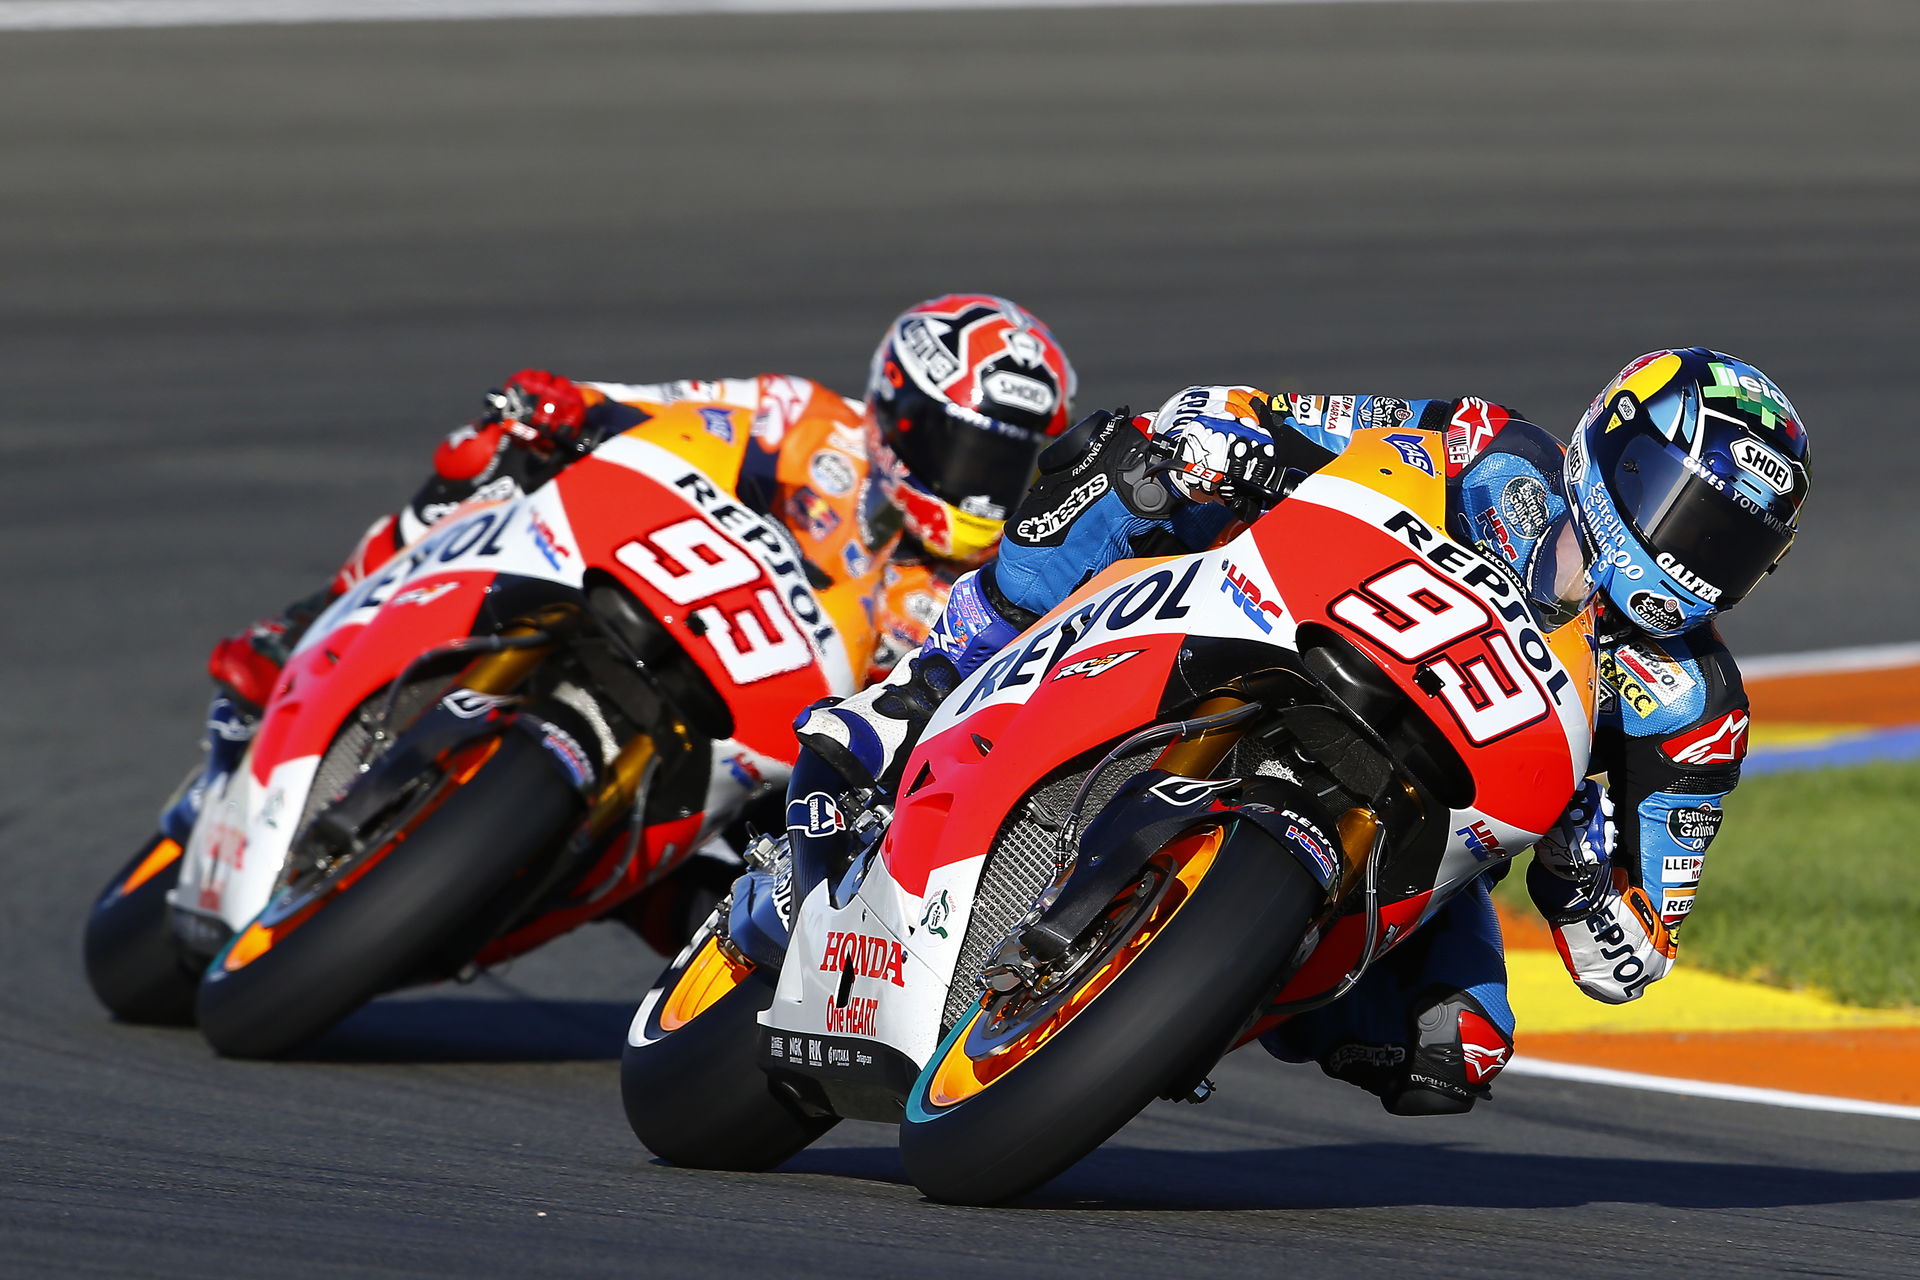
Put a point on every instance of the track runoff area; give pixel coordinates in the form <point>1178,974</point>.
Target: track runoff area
<point>1717,1037</point>
<point>63,15</point>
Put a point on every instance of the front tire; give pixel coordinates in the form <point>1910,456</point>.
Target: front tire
<point>133,964</point>
<point>982,1129</point>
<point>693,1090</point>
<point>277,985</point>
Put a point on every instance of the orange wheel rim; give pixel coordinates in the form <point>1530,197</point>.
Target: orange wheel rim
<point>960,1075</point>
<point>708,976</point>
<point>257,938</point>
<point>163,855</point>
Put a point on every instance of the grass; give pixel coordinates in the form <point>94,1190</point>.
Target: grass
<point>1813,883</point>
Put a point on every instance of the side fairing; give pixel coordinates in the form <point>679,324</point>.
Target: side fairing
<point>724,580</point>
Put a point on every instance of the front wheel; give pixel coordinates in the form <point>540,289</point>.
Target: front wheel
<point>133,964</point>
<point>1013,1097</point>
<point>314,955</point>
<point>689,1077</point>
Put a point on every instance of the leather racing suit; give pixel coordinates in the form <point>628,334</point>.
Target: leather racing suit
<point>804,464</point>
<point>1429,1026</point>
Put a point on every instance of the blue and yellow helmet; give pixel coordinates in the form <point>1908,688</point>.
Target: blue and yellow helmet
<point>1687,477</point>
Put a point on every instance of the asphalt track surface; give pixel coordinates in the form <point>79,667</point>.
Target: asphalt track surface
<point>247,275</point>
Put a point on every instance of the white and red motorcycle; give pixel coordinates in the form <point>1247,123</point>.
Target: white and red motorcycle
<point>508,730</point>
<point>1203,795</point>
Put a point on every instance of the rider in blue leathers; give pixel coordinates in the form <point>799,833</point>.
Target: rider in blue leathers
<point>1681,491</point>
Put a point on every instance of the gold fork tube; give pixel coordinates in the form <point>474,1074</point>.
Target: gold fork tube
<point>1200,755</point>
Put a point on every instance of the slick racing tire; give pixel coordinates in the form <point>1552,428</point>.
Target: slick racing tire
<point>1002,1108</point>
<point>432,888</point>
<point>133,964</point>
<point>689,1077</point>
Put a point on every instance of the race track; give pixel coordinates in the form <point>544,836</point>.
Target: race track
<point>248,275</point>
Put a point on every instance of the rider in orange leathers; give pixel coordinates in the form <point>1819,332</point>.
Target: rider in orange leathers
<point>902,492</point>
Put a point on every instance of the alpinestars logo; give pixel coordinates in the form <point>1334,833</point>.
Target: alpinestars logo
<point>1482,1047</point>
<point>1078,499</point>
<point>1719,741</point>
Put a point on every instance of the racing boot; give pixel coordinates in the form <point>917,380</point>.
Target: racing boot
<point>1457,1048</point>
<point>229,729</point>
<point>866,738</point>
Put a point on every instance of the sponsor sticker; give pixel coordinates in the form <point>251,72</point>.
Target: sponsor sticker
<point>832,472</point>
<point>1248,598</point>
<point>1773,470</point>
<point>817,814</point>
<point>1018,391</point>
<point>1091,667</point>
<point>1719,741</point>
<point>1694,828</point>
<point>1038,528</point>
<point>882,959</point>
<point>1665,679</point>
<point>1524,503</point>
<point>1189,791</point>
<point>1385,411</point>
<point>934,918</point>
<point>1679,869</point>
<point>1412,449</point>
<point>1687,577</point>
<point>1658,612</point>
<point>1481,842</point>
<point>1622,681</point>
<point>718,423</point>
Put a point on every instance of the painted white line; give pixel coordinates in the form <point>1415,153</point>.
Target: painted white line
<point>1873,657</point>
<point>1708,1089</point>
<point>68,15</point>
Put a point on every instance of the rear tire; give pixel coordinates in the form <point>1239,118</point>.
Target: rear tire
<point>696,1096</point>
<point>133,964</point>
<point>1160,1022</point>
<point>399,917</point>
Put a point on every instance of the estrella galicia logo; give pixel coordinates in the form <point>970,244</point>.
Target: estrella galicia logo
<point>1695,827</point>
<point>1660,613</point>
<point>1412,450</point>
<point>816,815</point>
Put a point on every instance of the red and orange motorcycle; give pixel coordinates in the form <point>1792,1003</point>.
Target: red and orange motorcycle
<point>1203,795</point>
<point>513,727</point>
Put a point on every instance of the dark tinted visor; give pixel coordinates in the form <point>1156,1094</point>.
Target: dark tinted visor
<point>1720,539</point>
<point>960,453</point>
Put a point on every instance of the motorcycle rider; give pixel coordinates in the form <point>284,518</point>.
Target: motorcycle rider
<point>1681,490</point>
<point>903,491</point>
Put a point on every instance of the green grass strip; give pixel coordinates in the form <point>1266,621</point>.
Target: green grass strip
<point>1813,883</point>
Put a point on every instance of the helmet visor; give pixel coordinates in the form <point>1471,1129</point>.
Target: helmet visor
<point>1708,537</point>
<point>967,459</point>
<point>1557,579</point>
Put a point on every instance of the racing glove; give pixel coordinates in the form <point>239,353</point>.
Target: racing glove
<point>1219,447</point>
<point>1608,932</point>
<point>1582,842</point>
<point>540,410</point>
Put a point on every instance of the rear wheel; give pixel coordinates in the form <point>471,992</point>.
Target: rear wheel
<point>1015,1095</point>
<point>133,964</point>
<point>690,1079</point>
<point>321,950</point>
